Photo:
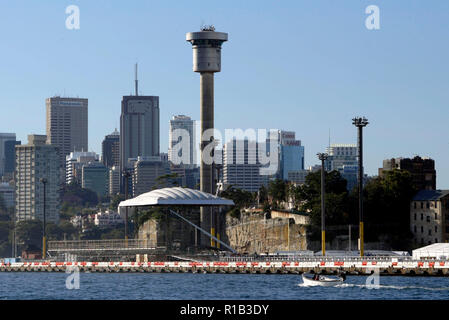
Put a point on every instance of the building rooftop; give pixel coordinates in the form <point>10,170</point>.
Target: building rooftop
<point>430,195</point>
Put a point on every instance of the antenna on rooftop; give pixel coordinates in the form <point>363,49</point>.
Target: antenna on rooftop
<point>136,81</point>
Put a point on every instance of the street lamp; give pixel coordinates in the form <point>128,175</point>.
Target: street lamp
<point>44,234</point>
<point>126,175</point>
<point>323,157</point>
<point>360,122</point>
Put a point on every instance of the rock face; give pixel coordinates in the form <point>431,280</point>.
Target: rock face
<point>258,233</point>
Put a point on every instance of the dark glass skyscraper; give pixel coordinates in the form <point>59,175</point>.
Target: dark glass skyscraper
<point>10,156</point>
<point>111,149</point>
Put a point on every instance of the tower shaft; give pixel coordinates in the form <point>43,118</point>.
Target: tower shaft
<point>206,170</point>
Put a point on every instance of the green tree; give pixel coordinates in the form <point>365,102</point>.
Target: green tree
<point>241,198</point>
<point>338,208</point>
<point>2,204</point>
<point>387,208</point>
<point>29,233</point>
<point>262,195</point>
<point>5,238</point>
<point>277,190</point>
<point>151,213</point>
<point>115,200</point>
<point>75,195</point>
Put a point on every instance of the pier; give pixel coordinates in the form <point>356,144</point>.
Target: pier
<point>348,265</point>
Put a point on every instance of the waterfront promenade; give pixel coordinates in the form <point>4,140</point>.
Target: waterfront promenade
<point>327,265</point>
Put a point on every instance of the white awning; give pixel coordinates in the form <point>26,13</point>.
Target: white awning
<point>176,197</point>
<point>436,250</point>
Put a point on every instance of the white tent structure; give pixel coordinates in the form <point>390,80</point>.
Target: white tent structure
<point>435,251</point>
<point>178,197</point>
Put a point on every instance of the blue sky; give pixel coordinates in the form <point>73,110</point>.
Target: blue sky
<point>306,66</point>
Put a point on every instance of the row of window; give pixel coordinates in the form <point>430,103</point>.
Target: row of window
<point>429,242</point>
<point>428,204</point>
<point>422,230</point>
<point>427,218</point>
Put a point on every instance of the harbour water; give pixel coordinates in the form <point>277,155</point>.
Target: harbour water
<point>187,286</point>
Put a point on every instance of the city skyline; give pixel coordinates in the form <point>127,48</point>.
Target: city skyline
<point>387,75</point>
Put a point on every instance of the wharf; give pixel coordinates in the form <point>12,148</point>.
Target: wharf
<point>351,266</point>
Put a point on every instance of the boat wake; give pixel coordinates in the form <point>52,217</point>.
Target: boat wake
<point>379,287</point>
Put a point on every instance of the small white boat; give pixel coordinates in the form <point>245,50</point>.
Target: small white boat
<point>320,280</point>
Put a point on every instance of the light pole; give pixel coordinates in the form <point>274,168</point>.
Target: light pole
<point>323,157</point>
<point>360,122</point>
<point>126,175</point>
<point>44,233</point>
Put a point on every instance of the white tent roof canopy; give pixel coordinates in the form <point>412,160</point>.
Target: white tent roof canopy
<point>176,197</point>
<point>436,250</point>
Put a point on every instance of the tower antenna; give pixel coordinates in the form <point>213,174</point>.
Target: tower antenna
<point>137,82</point>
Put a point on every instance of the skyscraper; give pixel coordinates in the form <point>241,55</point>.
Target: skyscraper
<point>67,125</point>
<point>181,127</point>
<point>147,170</point>
<point>290,153</point>
<point>139,128</point>
<point>114,180</point>
<point>343,158</point>
<point>111,149</point>
<point>10,157</point>
<point>95,177</point>
<point>34,161</point>
<point>4,137</point>
<point>74,165</point>
<point>241,165</point>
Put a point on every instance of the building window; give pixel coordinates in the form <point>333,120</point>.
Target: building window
<point>415,216</point>
<point>422,216</point>
<point>414,228</point>
<point>430,232</point>
<point>436,229</point>
<point>436,216</point>
<point>436,204</point>
<point>436,240</point>
<point>427,205</point>
<point>422,240</point>
<point>414,204</point>
<point>422,205</point>
<point>422,229</point>
<point>428,218</point>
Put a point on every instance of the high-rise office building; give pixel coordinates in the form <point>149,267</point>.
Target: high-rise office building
<point>111,149</point>
<point>147,170</point>
<point>7,193</point>
<point>95,177</point>
<point>290,153</point>
<point>241,165</point>
<point>34,161</point>
<point>182,127</point>
<point>114,181</point>
<point>4,137</point>
<point>10,157</point>
<point>343,158</point>
<point>67,126</point>
<point>74,165</point>
<point>139,128</point>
